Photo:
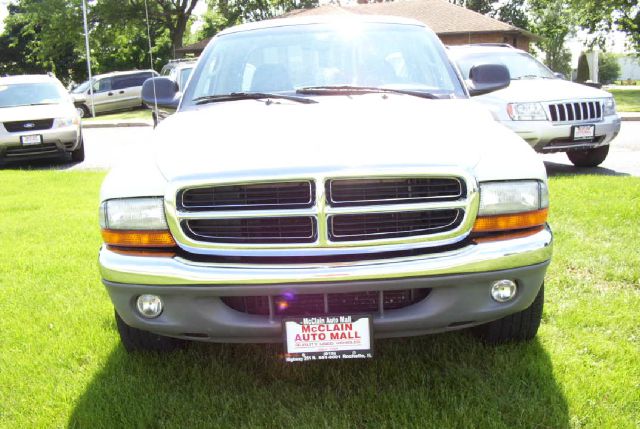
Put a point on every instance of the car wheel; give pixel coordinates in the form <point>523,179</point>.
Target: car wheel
<point>588,157</point>
<point>78,154</point>
<point>136,340</point>
<point>83,111</point>
<point>521,326</point>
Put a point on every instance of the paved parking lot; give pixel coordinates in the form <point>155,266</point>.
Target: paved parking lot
<point>106,146</point>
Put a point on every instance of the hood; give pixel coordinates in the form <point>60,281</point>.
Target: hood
<point>532,90</point>
<point>29,113</point>
<point>340,133</point>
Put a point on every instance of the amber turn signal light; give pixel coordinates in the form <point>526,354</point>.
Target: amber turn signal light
<point>511,221</point>
<point>138,238</point>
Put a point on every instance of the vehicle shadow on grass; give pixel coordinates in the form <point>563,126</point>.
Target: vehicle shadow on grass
<point>40,164</point>
<point>559,169</point>
<point>447,380</point>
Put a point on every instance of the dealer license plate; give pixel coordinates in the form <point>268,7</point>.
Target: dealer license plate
<point>328,338</point>
<point>584,132</point>
<point>30,140</point>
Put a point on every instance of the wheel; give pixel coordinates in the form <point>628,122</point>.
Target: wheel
<point>521,326</point>
<point>78,154</point>
<point>83,111</point>
<point>136,340</point>
<point>588,157</point>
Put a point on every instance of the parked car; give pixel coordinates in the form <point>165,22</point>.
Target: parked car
<point>111,92</point>
<point>550,113</point>
<point>178,71</point>
<point>323,183</point>
<point>38,120</point>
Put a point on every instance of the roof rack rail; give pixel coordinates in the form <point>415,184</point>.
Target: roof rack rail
<point>181,60</point>
<point>501,45</point>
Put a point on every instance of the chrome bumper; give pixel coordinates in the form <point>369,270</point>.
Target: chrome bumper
<point>477,258</point>
<point>58,136</point>
<point>540,133</point>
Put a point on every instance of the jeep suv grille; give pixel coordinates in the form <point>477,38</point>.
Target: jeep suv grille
<point>576,111</point>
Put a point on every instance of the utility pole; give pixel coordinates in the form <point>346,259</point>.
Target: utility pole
<point>86,43</point>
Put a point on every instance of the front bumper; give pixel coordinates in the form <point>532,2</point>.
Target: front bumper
<point>545,136</point>
<point>55,142</point>
<point>459,281</point>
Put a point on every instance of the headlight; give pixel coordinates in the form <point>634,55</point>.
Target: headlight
<point>526,112</point>
<point>135,222</point>
<point>512,205</point>
<point>609,106</point>
<point>65,122</point>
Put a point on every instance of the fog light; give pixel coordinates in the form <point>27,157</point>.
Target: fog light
<point>149,306</point>
<point>504,290</point>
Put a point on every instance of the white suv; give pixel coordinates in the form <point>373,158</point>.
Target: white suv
<point>550,113</point>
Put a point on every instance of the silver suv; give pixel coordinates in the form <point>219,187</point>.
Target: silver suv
<point>111,92</point>
<point>550,113</point>
<point>37,120</point>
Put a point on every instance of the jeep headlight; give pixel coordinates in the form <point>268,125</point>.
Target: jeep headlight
<point>609,106</point>
<point>135,222</point>
<point>512,205</point>
<point>66,122</point>
<point>526,112</point>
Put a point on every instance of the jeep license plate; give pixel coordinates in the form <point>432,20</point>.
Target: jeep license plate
<point>316,338</point>
<point>31,140</point>
<point>584,132</point>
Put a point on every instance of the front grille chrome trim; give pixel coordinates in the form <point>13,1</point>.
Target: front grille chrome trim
<point>321,211</point>
<point>575,111</point>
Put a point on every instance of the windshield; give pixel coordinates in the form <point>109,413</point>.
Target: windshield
<point>26,94</point>
<point>81,88</point>
<point>284,59</point>
<point>520,64</point>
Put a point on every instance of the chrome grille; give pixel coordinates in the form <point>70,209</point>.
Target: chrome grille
<point>248,196</point>
<point>329,303</point>
<point>575,111</point>
<point>354,192</point>
<point>373,226</point>
<point>323,213</point>
<point>253,230</point>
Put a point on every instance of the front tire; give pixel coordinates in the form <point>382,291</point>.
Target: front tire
<point>588,157</point>
<point>521,326</point>
<point>136,340</point>
<point>78,154</point>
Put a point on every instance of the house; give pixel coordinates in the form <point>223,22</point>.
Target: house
<point>455,25</point>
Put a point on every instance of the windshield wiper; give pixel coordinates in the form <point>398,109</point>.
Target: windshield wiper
<point>250,96</point>
<point>350,89</point>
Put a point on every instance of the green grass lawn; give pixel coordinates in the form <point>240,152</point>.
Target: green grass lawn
<point>627,100</point>
<point>144,114</point>
<point>61,364</point>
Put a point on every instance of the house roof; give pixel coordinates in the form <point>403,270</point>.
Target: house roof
<point>440,15</point>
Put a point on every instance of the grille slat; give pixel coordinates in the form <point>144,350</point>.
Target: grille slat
<point>18,151</point>
<point>337,303</point>
<point>25,126</point>
<point>253,230</point>
<point>575,111</point>
<point>355,192</point>
<point>248,197</point>
<point>372,226</point>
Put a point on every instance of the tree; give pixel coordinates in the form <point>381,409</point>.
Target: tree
<point>554,22</point>
<point>481,6</point>
<point>608,68</point>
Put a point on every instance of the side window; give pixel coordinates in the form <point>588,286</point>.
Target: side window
<point>139,78</point>
<point>103,85</point>
<point>120,82</point>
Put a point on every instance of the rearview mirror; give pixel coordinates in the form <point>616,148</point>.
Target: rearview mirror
<point>485,78</point>
<point>161,91</point>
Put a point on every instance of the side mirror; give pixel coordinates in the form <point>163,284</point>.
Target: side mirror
<point>487,78</point>
<point>161,91</point>
<point>560,75</point>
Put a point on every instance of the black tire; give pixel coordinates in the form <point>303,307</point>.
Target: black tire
<point>78,154</point>
<point>521,326</point>
<point>83,111</point>
<point>588,157</point>
<point>136,340</point>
